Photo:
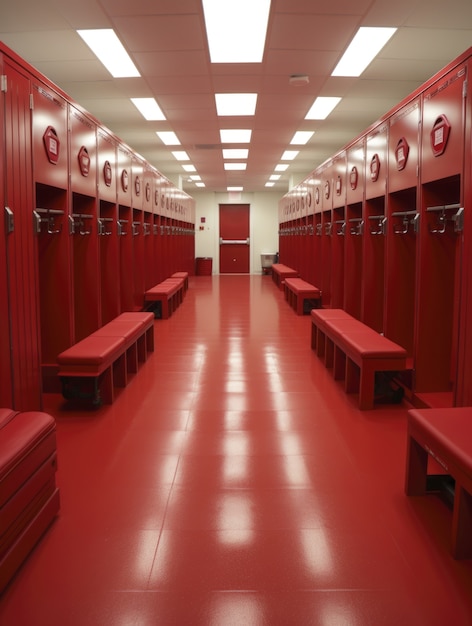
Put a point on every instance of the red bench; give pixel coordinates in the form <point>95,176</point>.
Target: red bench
<point>184,276</point>
<point>29,498</point>
<point>166,296</point>
<point>300,293</point>
<point>94,366</point>
<point>354,351</point>
<point>445,436</point>
<point>280,272</point>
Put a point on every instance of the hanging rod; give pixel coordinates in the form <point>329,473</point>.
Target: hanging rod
<point>358,229</point>
<point>341,231</point>
<point>457,218</point>
<point>406,221</point>
<point>42,211</point>
<point>381,224</point>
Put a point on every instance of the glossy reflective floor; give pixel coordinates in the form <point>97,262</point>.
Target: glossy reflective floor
<point>234,483</point>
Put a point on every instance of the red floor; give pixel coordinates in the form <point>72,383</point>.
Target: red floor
<point>234,483</point>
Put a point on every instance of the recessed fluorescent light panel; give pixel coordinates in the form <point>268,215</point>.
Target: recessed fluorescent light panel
<point>235,166</point>
<point>236,31</point>
<point>281,167</point>
<point>168,138</point>
<point>235,153</point>
<point>199,184</point>
<point>110,51</point>
<point>148,108</point>
<point>189,168</point>
<point>301,137</point>
<point>235,135</point>
<point>366,44</point>
<point>322,107</point>
<point>236,103</point>
<point>269,184</point>
<point>234,188</point>
<point>181,155</point>
<point>289,155</point>
<point>275,177</point>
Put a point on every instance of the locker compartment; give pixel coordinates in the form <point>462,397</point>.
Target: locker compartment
<point>157,276</point>
<point>126,264</point>
<point>51,226</point>
<point>373,271</point>
<point>437,337</point>
<point>354,234</point>
<point>443,127</point>
<point>317,239</point>
<point>148,245</point>
<point>137,242</point>
<point>83,153</point>
<point>402,237</point>
<point>376,162</point>
<point>137,187</point>
<point>50,137</point>
<point>326,257</point>
<point>355,174</point>
<point>338,239</point>
<point>83,228</point>
<point>106,166</point>
<point>327,175</point>
<point>148,188</point>
<point>109,261</point>
<point>403,140</point>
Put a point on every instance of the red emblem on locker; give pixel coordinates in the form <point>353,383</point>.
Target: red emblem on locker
<point>137,185</point>
<point>124,180</point>
<point>440,135</point>
<point>148,192</point>
<point>84,161</point>
<point>374,168</point>
<point>51,144</point>
<point>339,185</point>
<point>401,153</point>
<point>317,195</point>
<point>309,199</point>
<point>156,198</point>
<point>107,173</point>
<point>353,177</point>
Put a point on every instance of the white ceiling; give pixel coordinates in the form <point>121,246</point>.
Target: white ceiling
<point>167,41</point>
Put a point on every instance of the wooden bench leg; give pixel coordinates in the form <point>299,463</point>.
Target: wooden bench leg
<point>164,308</point>
<point>320,343</point>
<point>150,339</point>
<point>105,386</point>
<point>120,375</point>
<point>462,524</point>
<point>132,358</point>
<point>299,300</point>
<point>313,336</point>
<point>328,352</point>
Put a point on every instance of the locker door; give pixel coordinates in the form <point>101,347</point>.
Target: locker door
<point>23,302</point>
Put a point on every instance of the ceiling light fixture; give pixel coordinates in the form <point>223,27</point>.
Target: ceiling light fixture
<point>228,22</point>
<point>235,153</point>
<point>322,107</point>
<point>148,108</point>
<point>289,155</point>
<point>301,137</point>
<point>110,51</point>
<point>180,155</point>
<point>235,135</point>
<point>364,47</point>
<point>235,166</point>
<point>168,138</point>
<point>235,103</point>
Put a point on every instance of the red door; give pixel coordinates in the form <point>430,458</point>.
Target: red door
<point>234,239</point>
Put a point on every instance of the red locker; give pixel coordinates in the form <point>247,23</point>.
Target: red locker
<point>339,180</point>
<point>83,153</point>
<point>106,166</point>
<point>403,141</point>
<point>50,137</point>
<point>355,175</point>
<point>443,126</point>
<point>376,162</point>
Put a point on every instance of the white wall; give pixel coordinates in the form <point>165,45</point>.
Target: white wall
<point>264,224</point>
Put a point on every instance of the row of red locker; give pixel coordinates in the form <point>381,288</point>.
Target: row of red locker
<point>382,229</point>
<point>88,227</point>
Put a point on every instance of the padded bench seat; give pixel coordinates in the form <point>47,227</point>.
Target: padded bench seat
<point>280,272</point>
<point>299,292</point>
<point>29,498</point>
<point>168,294</point>
<point>444,435</point>
<point>106,357</point>
<point>354,351</point>
<point>184,276</point>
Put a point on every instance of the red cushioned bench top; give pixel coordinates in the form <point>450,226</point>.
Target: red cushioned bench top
<point>280,268</point>
<point>299,285</point>
<point>29,433</point>
<point>131,316</point>
<point>179,275</point>
<point>370,344</point>
<point>450,427</point>
<point>166,288</point>
<point>325,314</point>
<point>129,330</point>
<point>93,350</point>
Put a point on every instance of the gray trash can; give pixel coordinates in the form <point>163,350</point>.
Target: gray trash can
<point>267,260</point>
